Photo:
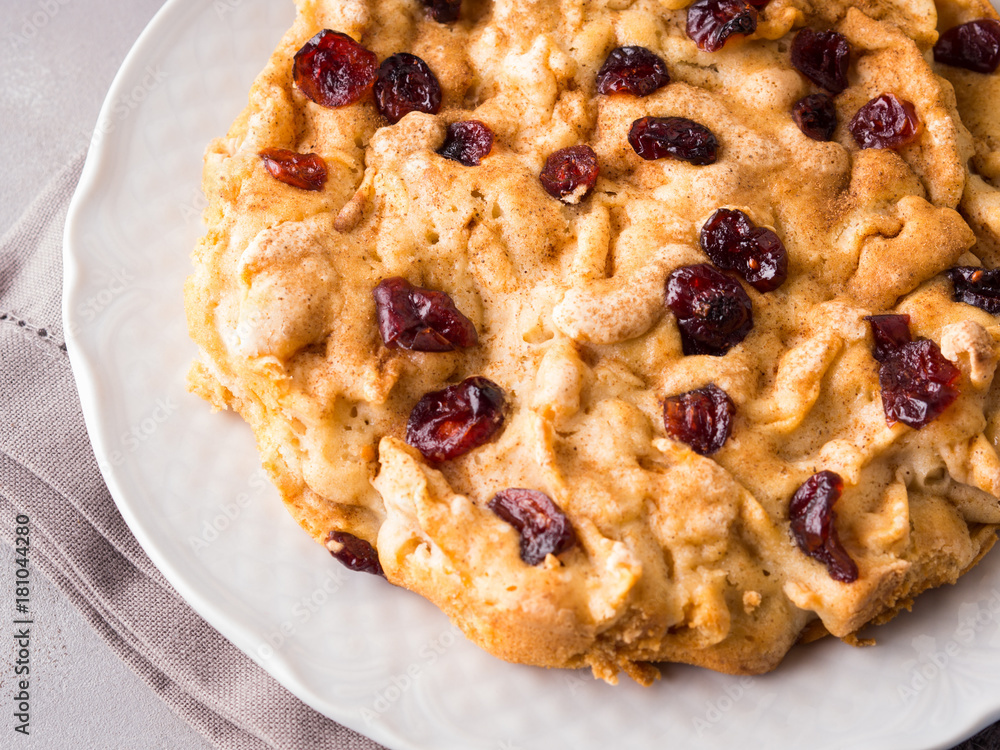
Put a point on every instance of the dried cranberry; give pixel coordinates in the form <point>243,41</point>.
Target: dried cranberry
<point>676,137</point>
<point>885,122</point>
<point>711,22</point>
<point>823,58</point>
<point>813,524</point>
<point>976,286</point>
<point>702,418</point>
<point>632,70</point>
<point>355,553</point>
<point>447,423</point>
<point>333,70</point>
<point>421,320</point>
<point>467,142</point>
<point>889,332</point>
<point>916,380</point>
<point>570,172</point>
<point>758,3</point>
<point>405,84</point>
<point>974,46</point>
<point>735,243</point>
<point>305,171</point>
<point>543,527</point>
<point>443,11</point>
<point>713,312</point>
<point>816,116</point>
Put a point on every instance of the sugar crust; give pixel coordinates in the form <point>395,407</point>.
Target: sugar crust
<point>680,557</point>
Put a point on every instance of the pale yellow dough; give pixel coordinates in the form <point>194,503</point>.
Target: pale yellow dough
<point>680,557</point>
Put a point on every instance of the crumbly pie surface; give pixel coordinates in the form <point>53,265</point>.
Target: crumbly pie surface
<point>676,556</point>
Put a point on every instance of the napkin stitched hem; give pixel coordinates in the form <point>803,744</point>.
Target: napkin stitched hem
<point>80,541</point>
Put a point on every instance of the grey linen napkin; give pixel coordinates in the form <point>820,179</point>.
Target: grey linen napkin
<point>79,540</point>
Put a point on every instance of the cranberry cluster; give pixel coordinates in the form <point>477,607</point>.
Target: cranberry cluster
<point>823,57</point>
<point>712,309</point>
<point>333,70</point>
<point>448,423</point>
<point>735,243</point>
<point>571,173</point>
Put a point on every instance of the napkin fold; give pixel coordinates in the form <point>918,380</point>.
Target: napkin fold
<point>80,541</point>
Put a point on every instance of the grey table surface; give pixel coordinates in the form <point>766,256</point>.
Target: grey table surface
<point>58,58</point>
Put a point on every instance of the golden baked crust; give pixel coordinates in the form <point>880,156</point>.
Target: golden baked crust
<point>680,557</point>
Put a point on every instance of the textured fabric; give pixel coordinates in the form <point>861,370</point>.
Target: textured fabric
<point>79,540</point>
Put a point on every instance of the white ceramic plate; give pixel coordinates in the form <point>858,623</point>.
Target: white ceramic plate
<point>378,659</point>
